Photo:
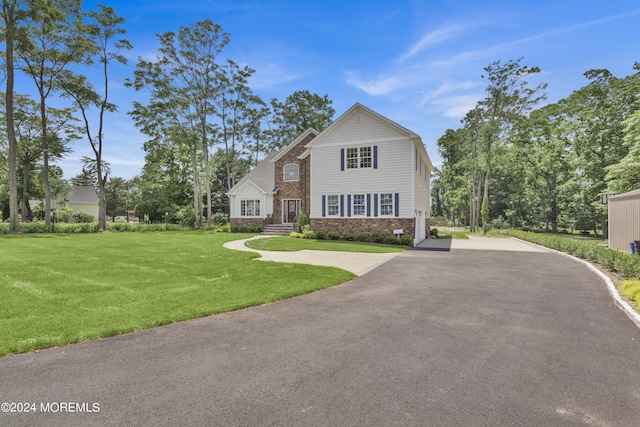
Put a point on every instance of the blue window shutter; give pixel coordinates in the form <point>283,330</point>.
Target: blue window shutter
<point>375,205</point>
<point>324,206</point>
<point>375,157</point>
<point>349,205</point>
<point>397,204</point>
<point>342,205</point>
<point>342,159</point>
<point>368,204</point>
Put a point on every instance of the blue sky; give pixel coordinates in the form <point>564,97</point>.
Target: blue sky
<point>417,62</point>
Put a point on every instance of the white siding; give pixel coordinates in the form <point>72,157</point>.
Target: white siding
<point>91,208</point>
<point>422,184</point>
<point>250,191</point>
<point>393,174</point>
<point>361,127</point>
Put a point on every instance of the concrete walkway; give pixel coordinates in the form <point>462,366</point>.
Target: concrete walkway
<point>355,262</point>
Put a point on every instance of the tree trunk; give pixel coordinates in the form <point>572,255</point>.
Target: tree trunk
<point>26,209</point>
<point>196,189</point>
<point>45,163</point>
<point>8,10</point>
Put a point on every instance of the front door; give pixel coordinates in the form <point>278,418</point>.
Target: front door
<point>290,210</point>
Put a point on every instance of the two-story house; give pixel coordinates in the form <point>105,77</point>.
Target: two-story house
<point>364,173</point>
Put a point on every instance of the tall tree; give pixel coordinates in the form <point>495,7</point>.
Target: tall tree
<point>508,99</point>
<point>183,84</point>
<point>103,30</point>
<point>625,176</point>
<point>55,43</point>
<point>595,114</point>
<point>300,111</point>
<point>234,100</point>
<point>13,12</point>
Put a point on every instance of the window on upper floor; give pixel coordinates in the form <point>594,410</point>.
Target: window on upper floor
<point>291,172</point>
<point>359,157</point>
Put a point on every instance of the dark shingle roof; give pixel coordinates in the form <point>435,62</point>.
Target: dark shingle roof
<point>263,175</point>
<point>83,194</point>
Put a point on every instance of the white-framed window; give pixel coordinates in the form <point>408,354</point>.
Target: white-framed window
<point>386,204</point>
<point>291,172</point>
<point>333,205</point>
<point>365,157</point>
<point>359,157</point>
<point>359,205</point>
<point>249,207</point>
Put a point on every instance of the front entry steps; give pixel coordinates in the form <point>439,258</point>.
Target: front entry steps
<point>277,230</point>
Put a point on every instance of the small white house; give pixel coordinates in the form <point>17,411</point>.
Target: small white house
<point>364,173</point>
<point>82,198</point>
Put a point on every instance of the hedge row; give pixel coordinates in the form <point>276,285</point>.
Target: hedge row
<point>375,237</point>
<point>626,264</point>
<point>246,229</point>
<point>90,227</point>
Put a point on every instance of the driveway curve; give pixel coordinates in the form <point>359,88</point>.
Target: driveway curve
<point>440,338</point>
<point>357,263</point>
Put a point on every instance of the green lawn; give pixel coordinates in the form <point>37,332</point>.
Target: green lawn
<point>59,289</point>
<point>290,244</point>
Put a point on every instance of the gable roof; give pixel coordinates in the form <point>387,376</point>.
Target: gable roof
<point>83,194</point>
<point>417,141</point>
<point>295,142</point>
<point>262,176</point>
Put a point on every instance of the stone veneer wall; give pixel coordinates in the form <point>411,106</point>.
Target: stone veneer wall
<point>369,225</point>
<point>293,189</point>
<point>245,222</point>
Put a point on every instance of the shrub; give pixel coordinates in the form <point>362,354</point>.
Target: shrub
<point>183,215</point>
<point>377,237</point>
<point>333,235</point>
<point>303,219</point>
<point>219,218</point>
<point>308,235</point>
<point>320,235</point>
<point>85,227</point>
<point>349,236</point>
<point>392,240</point>
<point>254,229</point>
<point>362,237</point>
<point>242,229</point>
<point>406,241</point>
<point>631,288</point>
<point>625,264</point>
<point>295,235</point>
<point>83,216</point>
<point>434,232</point>
<point>34,227</point>
<point>65,214</point>
<point>233,228</point>
<point>304,228</point>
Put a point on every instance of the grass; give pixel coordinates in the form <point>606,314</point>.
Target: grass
<point>289,244</point>
<point>60,289</point>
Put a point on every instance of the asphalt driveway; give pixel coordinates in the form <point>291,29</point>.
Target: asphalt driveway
<point>467,337</point>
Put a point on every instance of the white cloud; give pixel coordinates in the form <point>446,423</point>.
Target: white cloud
<point>434,37</point>
<point>449,87</point>
<point>269,75</point>
<point>456,107</point>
